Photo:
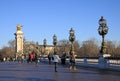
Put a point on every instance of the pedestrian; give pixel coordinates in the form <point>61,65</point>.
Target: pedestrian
<point>49,58</point>
<point>31,57</point>
<point>55,60</point>
<point>22,58</point>
<point>36,58</point>
<point>72,59</point>
<point>18,59</point>
<point>63,58</point>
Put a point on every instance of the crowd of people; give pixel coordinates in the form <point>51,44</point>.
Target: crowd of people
<point>52,59</point>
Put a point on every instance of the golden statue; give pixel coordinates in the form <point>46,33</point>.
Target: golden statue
<point>19,27</point>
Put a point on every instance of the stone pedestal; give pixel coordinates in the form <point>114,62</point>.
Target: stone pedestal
<point>102,62</point>
<point>85,60</point>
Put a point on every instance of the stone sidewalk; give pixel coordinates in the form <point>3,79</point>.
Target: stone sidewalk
<point>13,71</point>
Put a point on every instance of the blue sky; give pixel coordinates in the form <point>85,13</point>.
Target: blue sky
<point>44,18</point>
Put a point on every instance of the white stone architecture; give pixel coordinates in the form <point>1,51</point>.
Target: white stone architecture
<point>19,41</point>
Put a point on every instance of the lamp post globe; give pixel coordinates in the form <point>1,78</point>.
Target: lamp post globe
<point>72,36</point>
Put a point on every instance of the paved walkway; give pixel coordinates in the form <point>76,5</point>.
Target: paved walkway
<point>12,71</point>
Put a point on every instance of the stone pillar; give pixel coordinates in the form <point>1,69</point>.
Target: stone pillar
<point>19,41</point>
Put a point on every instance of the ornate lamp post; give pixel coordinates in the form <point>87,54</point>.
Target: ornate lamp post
<point>44,44</point>
<point>72,39</point>
<point>54,42</point>
<point>72,55</point>
<point>102,30</point>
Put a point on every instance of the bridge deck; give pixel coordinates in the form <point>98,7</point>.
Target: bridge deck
<point>13,71</point>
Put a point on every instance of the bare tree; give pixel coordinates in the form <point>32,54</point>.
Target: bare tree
<point>6,52</point>
<point>11,46</point>
<point>89,48</point>
<point>110,47</point>
<point>77,48</point>
<point>117,51</point>
<point>63,46</point>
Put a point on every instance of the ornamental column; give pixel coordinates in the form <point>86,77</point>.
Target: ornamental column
<point>19,41</point>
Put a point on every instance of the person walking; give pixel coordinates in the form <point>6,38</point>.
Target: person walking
<point>72,58</point>
<point>49,58</point>
<point>63,58</point>
<point>22,58</point>
<point>31,56</point>
<point>36,58</point>
<point>55,60</point>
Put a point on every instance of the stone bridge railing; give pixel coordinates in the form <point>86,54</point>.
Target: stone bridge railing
<point>112,64</point>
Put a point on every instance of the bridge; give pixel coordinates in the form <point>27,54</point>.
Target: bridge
<point>14,71</point>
